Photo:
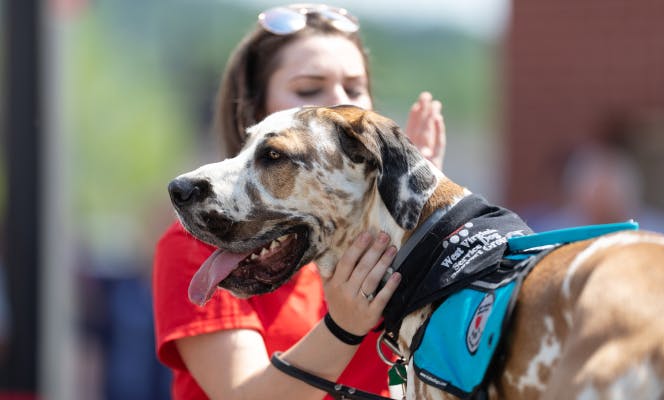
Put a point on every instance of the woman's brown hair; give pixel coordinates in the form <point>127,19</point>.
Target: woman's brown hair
<point>242,95</point>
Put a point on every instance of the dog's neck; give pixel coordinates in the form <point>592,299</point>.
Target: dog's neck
<point>446,195</point>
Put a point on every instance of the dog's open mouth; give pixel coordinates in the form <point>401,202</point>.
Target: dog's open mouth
<point>270,264</point>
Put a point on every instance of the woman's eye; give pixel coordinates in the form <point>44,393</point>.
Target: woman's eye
<point>308,93</point>
<point>354,93</point>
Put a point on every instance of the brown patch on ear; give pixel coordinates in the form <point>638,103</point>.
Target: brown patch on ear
<point>354,128</point>
<point>353,115</point>
<point>360,119</point>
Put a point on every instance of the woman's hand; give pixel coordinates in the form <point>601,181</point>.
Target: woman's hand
<point>350,292</point>
<point>426,128</point>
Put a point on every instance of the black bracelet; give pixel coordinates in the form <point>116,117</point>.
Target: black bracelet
<point>340,333</point>
<point>336,390</point>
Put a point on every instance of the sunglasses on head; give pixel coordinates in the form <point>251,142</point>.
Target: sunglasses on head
<point>292,18</point>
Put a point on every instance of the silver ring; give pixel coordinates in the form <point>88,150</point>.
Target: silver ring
<point>367,296</point>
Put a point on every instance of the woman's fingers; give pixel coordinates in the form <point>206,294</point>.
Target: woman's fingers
<point>413,120</point>
<point>426,128</point>
<point>418,116</point>
<point>349,259</point>
<point>369,260</point>
<point>383,296</point>
<point>370,283</point>
<point>439,136</point>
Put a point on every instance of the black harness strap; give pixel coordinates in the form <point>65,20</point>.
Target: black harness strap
<point>336,390</point>
<point>431,270</point>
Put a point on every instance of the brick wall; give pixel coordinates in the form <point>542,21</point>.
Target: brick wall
<point>571,68</point>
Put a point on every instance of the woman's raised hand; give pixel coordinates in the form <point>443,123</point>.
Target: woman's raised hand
<point>426,128</point>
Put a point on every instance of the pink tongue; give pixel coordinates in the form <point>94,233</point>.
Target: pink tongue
<point>214,270</point>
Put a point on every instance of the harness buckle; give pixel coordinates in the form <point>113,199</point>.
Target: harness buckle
<point>391,345</point>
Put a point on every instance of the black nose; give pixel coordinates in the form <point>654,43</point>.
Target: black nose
<point>185,191</point>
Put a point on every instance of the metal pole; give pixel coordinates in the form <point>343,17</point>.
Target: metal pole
<point>58,338</point>
<point>22,224</point>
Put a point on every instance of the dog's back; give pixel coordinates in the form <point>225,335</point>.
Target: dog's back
<point>589,323</point>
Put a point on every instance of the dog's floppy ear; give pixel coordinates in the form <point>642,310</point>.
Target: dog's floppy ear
<point>405,179</point>
<point>360,147</point>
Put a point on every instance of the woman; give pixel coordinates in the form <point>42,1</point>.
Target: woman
<point>295,56</point>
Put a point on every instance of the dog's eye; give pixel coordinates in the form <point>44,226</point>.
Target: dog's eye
<point>270,155</point>
<point>273,154</point>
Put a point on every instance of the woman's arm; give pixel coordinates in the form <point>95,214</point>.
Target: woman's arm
<point>426,128</point>
<point>234,364</point>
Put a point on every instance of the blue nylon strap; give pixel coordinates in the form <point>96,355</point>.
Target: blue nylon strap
<point>567,235</point>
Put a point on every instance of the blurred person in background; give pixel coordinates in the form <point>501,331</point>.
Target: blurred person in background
<point>295,56</point>
<point>601,184</point>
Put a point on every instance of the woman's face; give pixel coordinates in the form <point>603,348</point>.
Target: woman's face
<point>321,71</point>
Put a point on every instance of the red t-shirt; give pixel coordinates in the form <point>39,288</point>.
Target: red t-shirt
<point>282,317</point>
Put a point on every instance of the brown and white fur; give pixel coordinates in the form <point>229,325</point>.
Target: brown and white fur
<point>589,321</point>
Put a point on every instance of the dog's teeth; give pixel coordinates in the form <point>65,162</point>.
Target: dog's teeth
<point>274,244</point>
<point>253,257</point>
<point>264,251</point>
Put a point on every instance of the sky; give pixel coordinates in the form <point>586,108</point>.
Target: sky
<point>484,18</point>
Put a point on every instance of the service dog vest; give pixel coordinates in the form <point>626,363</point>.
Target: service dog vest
<point>459,261</point>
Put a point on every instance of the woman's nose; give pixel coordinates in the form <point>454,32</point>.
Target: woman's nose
<point>339,96</point>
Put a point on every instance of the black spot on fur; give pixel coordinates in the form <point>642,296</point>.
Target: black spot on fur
<point>400,159</point>
<point>252,192</point>
<point>216,223</point>
<point>421,179</point>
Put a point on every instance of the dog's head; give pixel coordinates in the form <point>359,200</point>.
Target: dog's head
<point>305,184</point>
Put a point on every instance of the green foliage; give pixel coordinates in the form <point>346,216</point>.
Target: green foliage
<point>142,78</point>
<point>129,131</point>
<point>456,68</point>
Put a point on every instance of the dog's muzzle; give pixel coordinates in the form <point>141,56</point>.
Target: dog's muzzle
<point>186,191</point>
<point>189,197</point>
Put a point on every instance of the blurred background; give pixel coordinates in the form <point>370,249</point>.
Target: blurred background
<point>553,108</point>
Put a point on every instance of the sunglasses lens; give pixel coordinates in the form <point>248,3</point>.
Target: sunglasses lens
<point>282,20</point>
<point>290,19</point>
<point>339,21</point>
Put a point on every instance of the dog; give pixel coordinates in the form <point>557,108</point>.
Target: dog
<point>588,320</point>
